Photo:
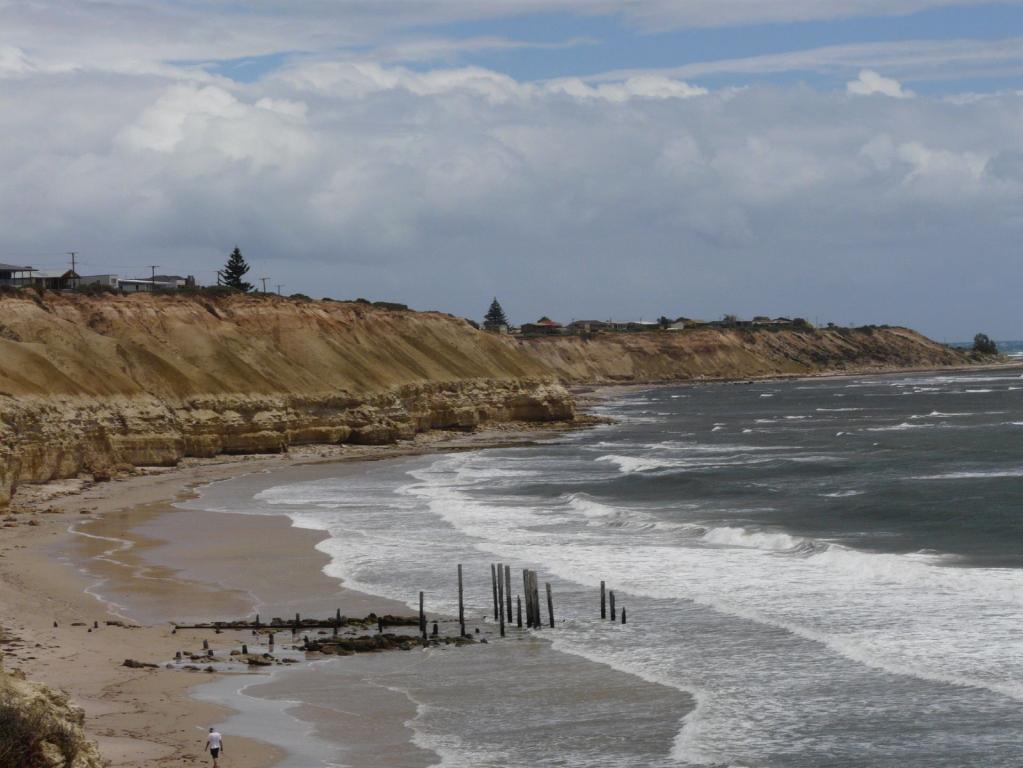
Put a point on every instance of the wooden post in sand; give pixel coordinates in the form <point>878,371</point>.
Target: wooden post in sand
<point>518,611</point>
<point>507,591</point>
<point>550,604</point>
<point>527,595</point>
<point>537,606</point>
<point>525,592</point>
<point>534,601</point>
<point>493,584</point>
<point>461,603</point>
<point>611,596</point>
<point>257,619</point>
<point>500,595</point>
<point>528,598</point>
<point>530,611</point>
<point>271,641</point>
<point>245,649</point>
<point>603,601</point>
<point>422,617</point>
<point>205,645</point>
<point>337,618</point>
<point>623,614</point>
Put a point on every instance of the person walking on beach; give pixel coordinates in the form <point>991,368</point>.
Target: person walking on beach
<point>215,744</point>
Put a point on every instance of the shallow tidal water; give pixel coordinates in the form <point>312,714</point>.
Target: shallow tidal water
<point>824,572</point>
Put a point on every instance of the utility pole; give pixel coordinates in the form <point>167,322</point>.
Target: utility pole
<point>264,279</point>
<point>279,286</point>
<point>152,276</point>
<point>72,254</point>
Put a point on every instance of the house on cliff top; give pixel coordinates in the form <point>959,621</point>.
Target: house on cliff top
<point>543,327</point>
<point>10,274</point>
<point>587,326</point>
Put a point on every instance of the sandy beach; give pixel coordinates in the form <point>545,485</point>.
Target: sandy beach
<point>65,543</point>
<point>75,555</point>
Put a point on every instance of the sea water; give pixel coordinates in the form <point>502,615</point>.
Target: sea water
<point>823,572</point>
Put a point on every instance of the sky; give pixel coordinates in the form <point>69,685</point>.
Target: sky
<point>847,161</point>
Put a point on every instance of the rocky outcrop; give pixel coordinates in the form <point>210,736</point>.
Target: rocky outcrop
<point>49,438</point>
<point>39,728</point>
<point>93,384</point>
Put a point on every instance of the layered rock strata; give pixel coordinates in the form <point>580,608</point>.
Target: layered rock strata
<point>88,384</point>
<point>91,384</point>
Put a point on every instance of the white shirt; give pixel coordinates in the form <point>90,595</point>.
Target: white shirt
<point>215,738</point>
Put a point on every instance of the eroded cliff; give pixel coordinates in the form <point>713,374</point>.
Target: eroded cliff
<point>723,353</point>
<point>40,728</point>
<point>90,383</point>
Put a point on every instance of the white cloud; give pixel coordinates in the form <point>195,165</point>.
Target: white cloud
<point>919,60</point>
<point>144,35</point>
<point>640,86</point>
<point>870,82</point>
<point>440,186</point>
<point>207,127</point>
<point>358,79</point>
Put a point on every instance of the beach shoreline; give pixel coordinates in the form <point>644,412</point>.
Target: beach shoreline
<point>78,552</point>
<point>72,559</point>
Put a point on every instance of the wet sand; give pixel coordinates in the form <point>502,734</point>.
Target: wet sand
<point>67,543</point>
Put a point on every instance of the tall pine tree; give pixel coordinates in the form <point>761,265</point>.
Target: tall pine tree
<point>234,271</point>
<point>495,317</point>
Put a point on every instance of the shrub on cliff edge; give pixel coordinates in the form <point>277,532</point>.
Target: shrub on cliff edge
<point>983,344</point>
<point>39,729</point>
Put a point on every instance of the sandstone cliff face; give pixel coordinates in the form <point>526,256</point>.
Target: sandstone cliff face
<point>87,384</point>
<point>729,354</point>
<point>39,728</point>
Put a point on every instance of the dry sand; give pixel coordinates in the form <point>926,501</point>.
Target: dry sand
<point>65,542</point>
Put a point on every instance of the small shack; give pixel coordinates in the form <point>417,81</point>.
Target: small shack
<point>12,274</point>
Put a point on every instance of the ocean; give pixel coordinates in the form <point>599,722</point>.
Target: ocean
<point>1013,349</point>
<point>823,572</point>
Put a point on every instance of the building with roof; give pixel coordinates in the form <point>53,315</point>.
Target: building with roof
<point>587,326</point>
<point>49,279</point>
<point>11,272</point>
<point>543,327</point>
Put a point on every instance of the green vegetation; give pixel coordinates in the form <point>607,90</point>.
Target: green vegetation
<point>235,270</point>
<point>392,306</point>
<point>495,317</point>
<point>983,345</point>
<point>29,734</point>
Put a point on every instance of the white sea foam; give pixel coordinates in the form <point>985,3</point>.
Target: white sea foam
<point>741,537</point>
<point>630,464</point>
<point>940,415</point>
<point>839,410</point>
<point>995,473</point>
<point>900,427</point>
<point>842,494</point>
